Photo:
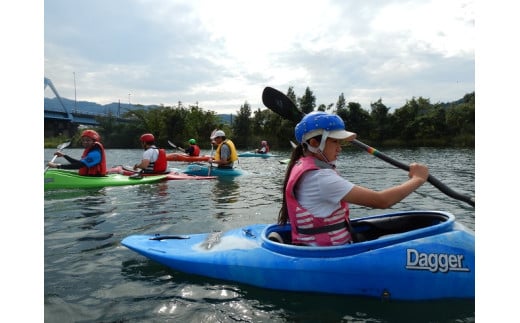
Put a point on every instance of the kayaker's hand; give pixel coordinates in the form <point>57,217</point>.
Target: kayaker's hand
<point>59,154</point>
<point>419,171</point>
<point>53,165</point>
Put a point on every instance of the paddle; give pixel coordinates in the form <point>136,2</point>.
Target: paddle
<point>211,154</point>
<point>175,147</point>
<point>282,105</point>
<point>60,148</point>
<point>137,174</point>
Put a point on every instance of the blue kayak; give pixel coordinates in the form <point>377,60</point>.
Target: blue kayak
<point>203,170</point>
<point>412,255</point>
<point>253,154</point>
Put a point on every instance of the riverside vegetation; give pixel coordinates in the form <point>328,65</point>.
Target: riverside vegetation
<point>417,123</point>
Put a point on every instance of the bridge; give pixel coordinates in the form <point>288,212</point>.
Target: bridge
<point>63,121</point>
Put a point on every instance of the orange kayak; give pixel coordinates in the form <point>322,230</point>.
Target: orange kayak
<point>186,158</point>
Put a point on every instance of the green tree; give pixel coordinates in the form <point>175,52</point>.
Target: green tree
<point>460,121</point>
<point>269,126</point>
<point>412,122</point>
<point>242,126</point>
<point>341,106</point>
<point>432,126</point>
<point>291,95</point>
<point>149,120</point>
<point>379,121</point>
<point>307,101</point>
<point>357,120</point>
<point>404,120</point>
<point>200,124</point>
<point>177,124</point>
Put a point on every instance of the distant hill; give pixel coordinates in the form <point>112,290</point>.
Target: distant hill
<point>53,104</point>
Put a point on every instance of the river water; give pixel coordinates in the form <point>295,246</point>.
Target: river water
<point>90,277</point>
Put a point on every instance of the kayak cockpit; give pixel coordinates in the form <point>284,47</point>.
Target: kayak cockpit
<point>367,229</point>
<point>378,230</point>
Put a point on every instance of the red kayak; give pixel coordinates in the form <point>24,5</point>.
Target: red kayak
<point>186,158</point>
<point>173,175</point>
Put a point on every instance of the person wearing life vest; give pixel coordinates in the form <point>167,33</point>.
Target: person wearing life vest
<point>226,153</point>
<point>93,160</point>
<point>264,148</point>
<point>316,197</point>
<point>193,149</point>
<point>154,159</point>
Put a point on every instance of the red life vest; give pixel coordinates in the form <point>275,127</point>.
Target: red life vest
<point>161,164</point>
<point>306,228</point>
<point>98,170</point>
<point>196,150</point>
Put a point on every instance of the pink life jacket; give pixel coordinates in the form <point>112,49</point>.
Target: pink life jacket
<point>307,229</point>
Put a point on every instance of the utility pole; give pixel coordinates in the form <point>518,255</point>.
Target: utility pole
<point>75,99</point>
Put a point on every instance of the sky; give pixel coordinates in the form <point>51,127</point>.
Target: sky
<point>223,53</point>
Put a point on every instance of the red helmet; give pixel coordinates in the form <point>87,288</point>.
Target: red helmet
<point>147,137</point>
<point>91,134</point>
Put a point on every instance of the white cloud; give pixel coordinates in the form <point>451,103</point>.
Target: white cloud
<point>223,53</point>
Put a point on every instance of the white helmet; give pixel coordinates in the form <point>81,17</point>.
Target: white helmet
<point>218,133</point>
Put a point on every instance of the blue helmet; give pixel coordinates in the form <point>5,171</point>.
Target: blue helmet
<point>321,123</point>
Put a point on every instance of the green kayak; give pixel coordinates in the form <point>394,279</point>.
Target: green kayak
<point>58,179</point>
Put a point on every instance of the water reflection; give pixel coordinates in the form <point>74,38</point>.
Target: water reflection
<point>174,293</point>
<point>151,196</point>
<point>226,192</point>
<point>51,195</point>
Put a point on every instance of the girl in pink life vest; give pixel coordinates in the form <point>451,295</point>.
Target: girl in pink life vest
<point>316,197</point>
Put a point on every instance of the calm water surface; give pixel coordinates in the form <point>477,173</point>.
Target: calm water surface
<point>91,277</point>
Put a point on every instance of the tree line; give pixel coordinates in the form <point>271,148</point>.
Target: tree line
<point>417,123</point>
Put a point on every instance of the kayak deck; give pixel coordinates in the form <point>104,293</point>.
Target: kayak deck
<point>63,179</point>
<point>254,154</point>
<point>186,158</point>
<point>173,174</point>
<point>204,170</point>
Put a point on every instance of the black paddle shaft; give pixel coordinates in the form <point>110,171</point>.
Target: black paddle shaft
<point>279,103</point>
